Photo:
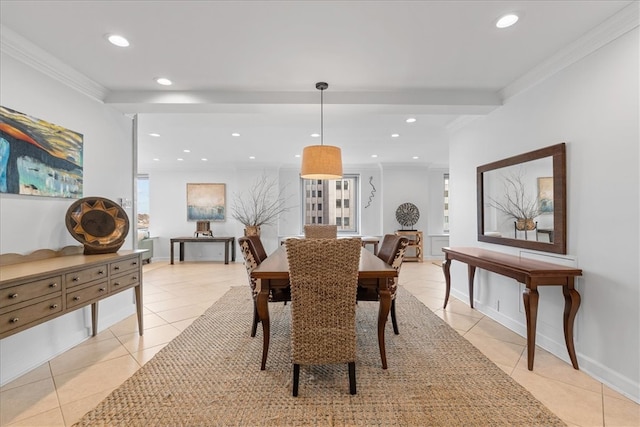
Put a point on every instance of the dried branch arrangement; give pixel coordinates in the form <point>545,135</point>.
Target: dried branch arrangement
<point>262,204</point>
<point>516,203</point>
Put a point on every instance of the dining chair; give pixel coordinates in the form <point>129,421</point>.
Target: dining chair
<point>254,253</point>
<point>320,231</point>
<point>392,250</point>
<point>324,279</point>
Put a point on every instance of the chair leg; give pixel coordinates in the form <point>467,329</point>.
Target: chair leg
<point>393,317</point>
<point>256,319</point>
<point>296,377</point>
<point>352,377</point>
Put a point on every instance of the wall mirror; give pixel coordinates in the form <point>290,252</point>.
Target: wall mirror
<point>522,200</point>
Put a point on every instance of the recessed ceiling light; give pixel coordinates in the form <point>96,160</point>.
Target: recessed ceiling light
<point>235,134</point>
<point>154,134</point>
<point>415,157</point>
<point>252,157</point>
<point>118,40</point>
<point>204,159</point>
<point>315,135</point>
<point>507,20</point>
<point>374,155</point>
<point>180,159</point>
<point>156,159</point>
<point>411,120</point>
<point>395,135</point>
<point>297,155</point>
<point>164,81</point>
<point>186,151</point>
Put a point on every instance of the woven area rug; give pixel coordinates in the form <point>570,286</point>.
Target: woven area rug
<point>210,376</point>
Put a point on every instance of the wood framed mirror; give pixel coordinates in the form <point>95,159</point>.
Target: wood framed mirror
<point>522,200</point>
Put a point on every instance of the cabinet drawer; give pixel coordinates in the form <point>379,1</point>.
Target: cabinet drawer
<point>122,266</point>
<point>27,291</point>
<point>84,276</point>
<point>31,313</point>
<point>86,295</point>
<point>124,281</point>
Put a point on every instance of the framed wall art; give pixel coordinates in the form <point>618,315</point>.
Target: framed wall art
<point>545,194</point>
<point>206,202</point>
<point>39,158</point>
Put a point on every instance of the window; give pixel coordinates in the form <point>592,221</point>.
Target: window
<point>446,203</point>
<point>143,201</point>
<point>338,196</point>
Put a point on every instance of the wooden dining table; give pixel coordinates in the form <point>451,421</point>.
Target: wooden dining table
<point>273,273</point>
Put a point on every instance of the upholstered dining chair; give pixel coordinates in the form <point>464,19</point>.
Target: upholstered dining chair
<point>254,253</point>
<point>320,231</point>
<point>324,279</point>
<point>392,250</point>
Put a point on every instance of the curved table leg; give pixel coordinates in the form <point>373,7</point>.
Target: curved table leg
<point>446,267</point>
<point>383,313</point>
<point>530,297</point>
<point>571,305</point>
<point>472,273</point>
<point>262,304</point>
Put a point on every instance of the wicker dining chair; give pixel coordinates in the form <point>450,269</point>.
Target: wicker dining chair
<point>324,279</point>
<point>254,253</point>
<point>320,231</point>
<point>392,252</point>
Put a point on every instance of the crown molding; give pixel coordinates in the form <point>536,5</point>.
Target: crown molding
<point>18,47</point>
<point>619,24</point>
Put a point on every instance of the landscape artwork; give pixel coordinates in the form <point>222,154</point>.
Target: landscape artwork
<point>206,202</point>
<point>39,158</point>
<point>545,194</point>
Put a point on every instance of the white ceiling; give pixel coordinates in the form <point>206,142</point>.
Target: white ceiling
<point>251,67</point>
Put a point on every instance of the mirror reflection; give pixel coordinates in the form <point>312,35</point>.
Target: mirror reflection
<point>521,200</point>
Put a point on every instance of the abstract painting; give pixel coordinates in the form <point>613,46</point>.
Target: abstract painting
<point>206,202</point>
<point>39,158</point>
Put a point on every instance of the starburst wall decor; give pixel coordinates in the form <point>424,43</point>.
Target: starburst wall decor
<point>100,224</point>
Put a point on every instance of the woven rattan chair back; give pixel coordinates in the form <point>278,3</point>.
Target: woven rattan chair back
<point>324,277</point>
<point>320,231</point>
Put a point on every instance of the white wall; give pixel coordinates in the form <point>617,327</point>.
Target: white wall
<point>28,223</point>
<point>592,106</point>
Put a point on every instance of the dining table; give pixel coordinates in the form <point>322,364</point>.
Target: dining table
<point>273,273</point>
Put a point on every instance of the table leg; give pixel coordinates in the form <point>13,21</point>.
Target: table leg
<point>171,251</point>
<point>181,251</point>
<point>138,294</point>
<point>571,305</point>
<point>94,319</point>
<point>472,272</point>
<point>383,313</point>
<point>233,249</point>
<point>530,297</point>
<point>226,252</point>
<point>263,312</point>
<point>446,267</point>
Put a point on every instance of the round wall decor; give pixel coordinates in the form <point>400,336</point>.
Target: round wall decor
<point>407,214</point>
<point>100,224</point>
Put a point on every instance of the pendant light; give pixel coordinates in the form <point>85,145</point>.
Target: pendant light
<point>321,161</point>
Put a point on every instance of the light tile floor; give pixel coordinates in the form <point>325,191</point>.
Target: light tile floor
<point>59,392</point>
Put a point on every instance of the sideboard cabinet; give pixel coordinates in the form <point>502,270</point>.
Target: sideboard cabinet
<point>42,286</point>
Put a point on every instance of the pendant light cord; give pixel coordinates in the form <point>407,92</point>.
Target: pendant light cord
<point>321,116</point>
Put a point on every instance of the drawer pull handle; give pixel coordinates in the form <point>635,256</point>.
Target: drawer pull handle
<point>134,277</point>
<point>53,285</point>
<point>13,296</point>
<point>53,306</point>
<point>134,263</point>
<point>100,272</point>
<point>116,284</point>
<point>14,320</point>
<point>116,268</point>
<point>75,279</point>
<point>102,289</point>
<point>76,298</point>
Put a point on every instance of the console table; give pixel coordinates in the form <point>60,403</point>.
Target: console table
<point>229,242</point>
<point>41,286</point>
<point>532,274</point>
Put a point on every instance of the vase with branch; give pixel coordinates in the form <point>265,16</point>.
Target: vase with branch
<point>260,205</point>
<point>517,203</point>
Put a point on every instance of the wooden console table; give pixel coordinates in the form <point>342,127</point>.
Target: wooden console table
<point>229,242</point>
<point>532,274</point>
<point>46,284</point>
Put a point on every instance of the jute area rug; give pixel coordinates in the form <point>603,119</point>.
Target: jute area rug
<point>210,376</point>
